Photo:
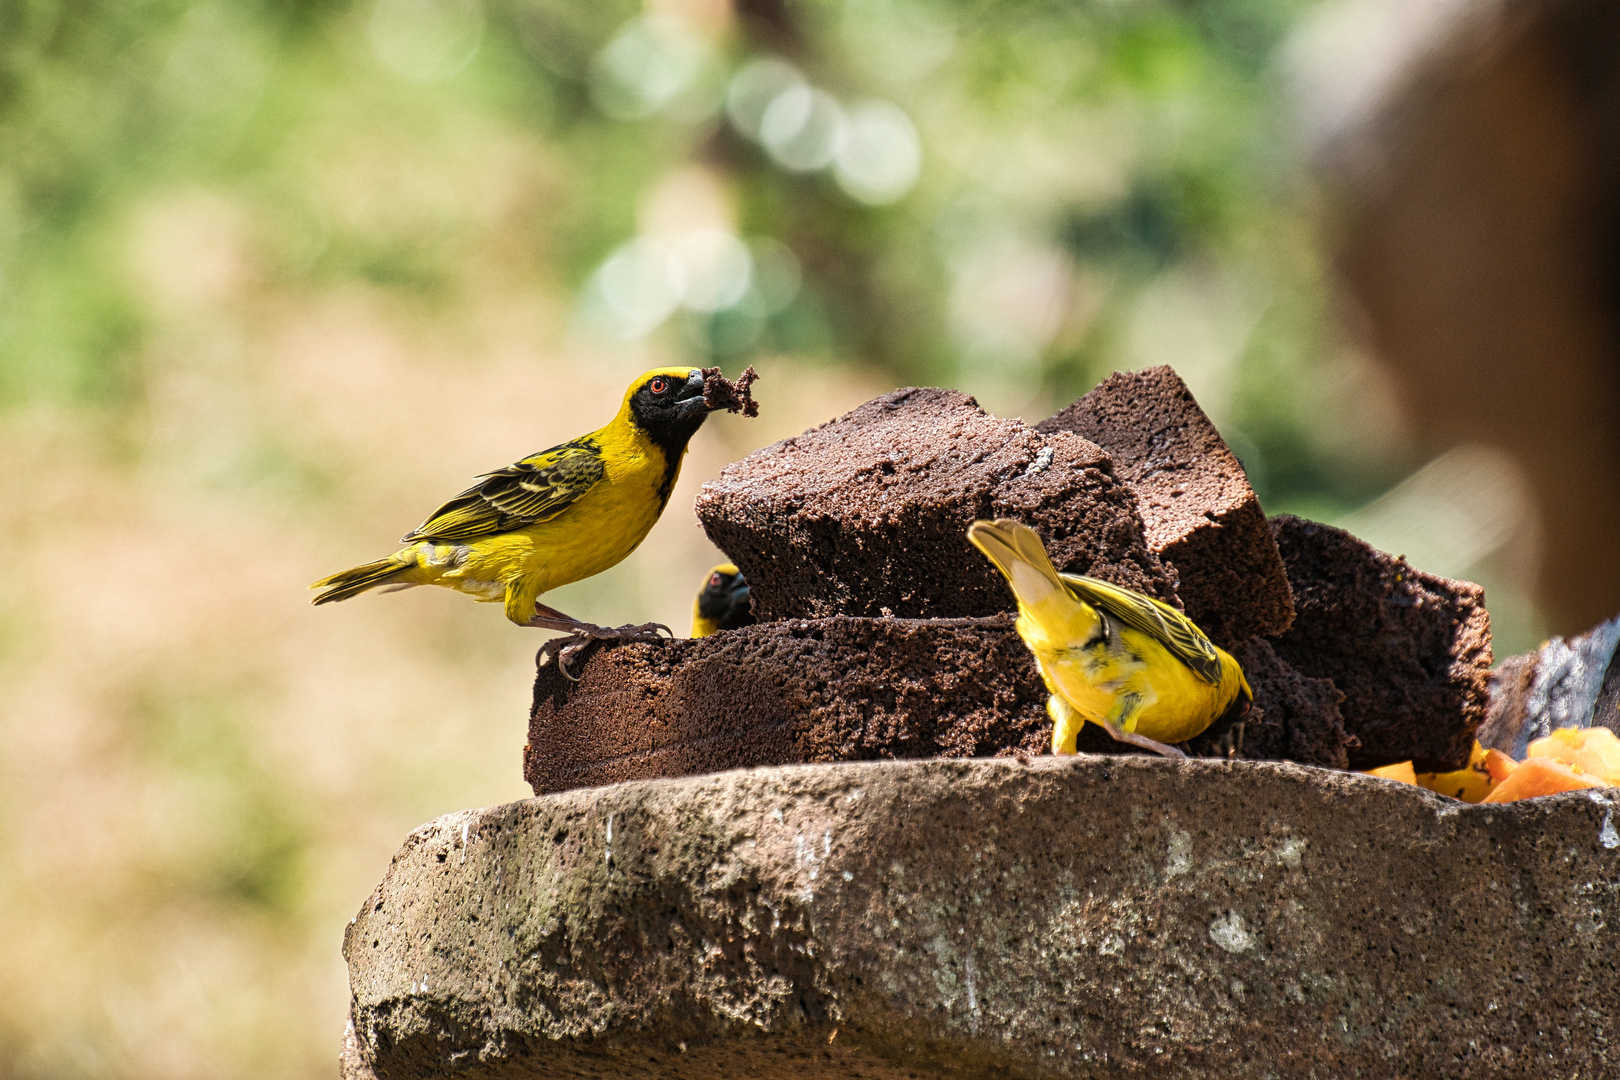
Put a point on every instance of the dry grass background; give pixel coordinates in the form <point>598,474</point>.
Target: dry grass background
<point>204,776</point>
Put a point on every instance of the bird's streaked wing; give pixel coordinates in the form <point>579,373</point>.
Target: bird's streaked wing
<point>532,490</point>
<point>1159,621</point>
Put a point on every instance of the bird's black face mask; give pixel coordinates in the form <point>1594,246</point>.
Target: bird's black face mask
<point>724,601</point>
<point>670,410</point>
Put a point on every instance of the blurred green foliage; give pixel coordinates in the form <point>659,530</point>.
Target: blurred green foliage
<point>254,844</point>
<point>1139,141</point>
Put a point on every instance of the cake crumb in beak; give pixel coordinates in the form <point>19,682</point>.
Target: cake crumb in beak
<point>721,393</point>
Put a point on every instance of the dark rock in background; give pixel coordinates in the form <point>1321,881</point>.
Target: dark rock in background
<point>1074,918</point>
<point>1411,652</point>
<point>867,515</point>
<point>1197,507</point>
<point>1573,683</point>
<point>1477,178</point>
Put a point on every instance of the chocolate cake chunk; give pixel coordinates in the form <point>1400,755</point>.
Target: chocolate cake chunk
<point>1411,652</point>
<point>787,692</point>
<point>867,515</point>
<point>842,689</point>
<point>1574,683</point>
<point>1197,507</point>
<point>1294,717</point>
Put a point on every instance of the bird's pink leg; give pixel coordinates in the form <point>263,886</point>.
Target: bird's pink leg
<point>1121,714</point>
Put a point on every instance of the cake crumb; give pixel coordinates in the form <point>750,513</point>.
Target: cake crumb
<point>721,393</point>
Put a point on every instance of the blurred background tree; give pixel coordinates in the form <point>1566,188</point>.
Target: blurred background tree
<point>276,277</point>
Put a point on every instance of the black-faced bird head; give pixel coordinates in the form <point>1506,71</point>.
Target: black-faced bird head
<point>724,599</point>
<point>723,603</point>
<point>668,404</point>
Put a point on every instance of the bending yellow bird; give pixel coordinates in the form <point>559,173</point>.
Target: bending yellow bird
<point>1138,667</point>
<point>722,604</point>
<point>555,517</point>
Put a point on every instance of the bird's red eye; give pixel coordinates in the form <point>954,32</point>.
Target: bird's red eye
<point>658,385</point>
<point>715,581</point>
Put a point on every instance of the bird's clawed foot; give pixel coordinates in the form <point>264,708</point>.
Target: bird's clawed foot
<point>580,636</point>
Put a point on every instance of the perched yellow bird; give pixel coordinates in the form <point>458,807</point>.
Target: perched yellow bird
<point>555,517</point>
<point>723,602</point>
<point>1136,666</point>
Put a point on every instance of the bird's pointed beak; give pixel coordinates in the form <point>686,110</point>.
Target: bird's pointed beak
<point>690,399</point>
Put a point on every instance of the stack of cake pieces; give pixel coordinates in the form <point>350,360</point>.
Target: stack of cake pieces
<point>883,634</point>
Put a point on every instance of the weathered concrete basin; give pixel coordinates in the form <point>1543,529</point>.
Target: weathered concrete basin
<point>1087,917</point>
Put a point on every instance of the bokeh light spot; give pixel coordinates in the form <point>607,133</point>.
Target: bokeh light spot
<point>880,155</point>
<point>426,40</point>
<point>714,268</point>
<point>802,128</point>
<point>754,87</point>
<point>647,66</point>
<point>636,288</point>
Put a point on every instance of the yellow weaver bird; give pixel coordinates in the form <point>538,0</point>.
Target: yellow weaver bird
<point>555,517</point>
<point>1136,666</point>
<point>723,602</point>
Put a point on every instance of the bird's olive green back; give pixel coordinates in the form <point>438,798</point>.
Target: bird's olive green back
<point>1159,621</point>
<point>532,490</point>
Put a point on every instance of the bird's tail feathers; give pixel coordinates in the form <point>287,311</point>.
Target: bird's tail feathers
<point>1019,554</point>
<point>354,582</point>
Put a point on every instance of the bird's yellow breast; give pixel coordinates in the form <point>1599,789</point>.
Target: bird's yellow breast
<point>596,532</point>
